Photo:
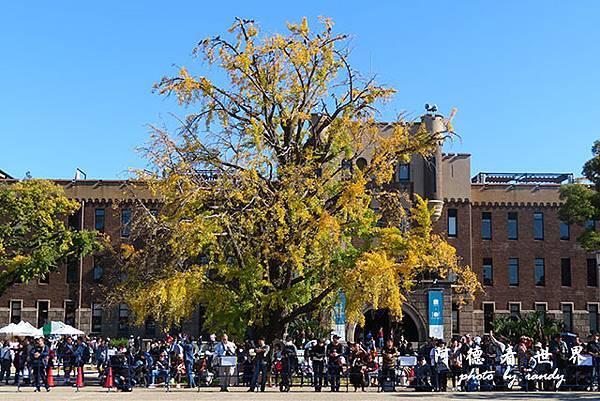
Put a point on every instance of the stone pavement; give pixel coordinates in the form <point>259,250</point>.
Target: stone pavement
<point>9,393</point>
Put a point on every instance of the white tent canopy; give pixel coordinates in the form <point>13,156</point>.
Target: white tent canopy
<point>23,329</point>
<point>60,329</point>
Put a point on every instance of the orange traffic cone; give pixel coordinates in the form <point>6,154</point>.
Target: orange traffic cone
<point>50,377</point>
<point>109,379</point>
<point>79,382</point>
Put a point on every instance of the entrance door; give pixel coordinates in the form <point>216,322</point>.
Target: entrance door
<point>380,318</point>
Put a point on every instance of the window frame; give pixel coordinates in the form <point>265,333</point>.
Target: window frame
<point>407,166</point>
<point>535,272</point>
<point>37,312</point>
<point>486,217</point>
<point>491,323</point>
<point>96,306</point>
<point>10,308</point>
<point>70,301</point>
<point>519,309</point>
<point>560,231</point>
<point>103,219</point>
<point>597,318</point>
<point>452,214</point>
<point>483,266</point>
<point>562,273</point>
<point>508,225</point>
<point>562,311</point>
<point>511,284</point>
<point>541,222</point>
<point>125,225</point>
<point>591,267</point>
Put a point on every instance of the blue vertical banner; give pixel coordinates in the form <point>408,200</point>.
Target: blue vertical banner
<point>436,313</point>
<point>339,316</point>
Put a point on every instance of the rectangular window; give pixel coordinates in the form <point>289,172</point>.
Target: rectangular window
<point>488,317</point>
<point>75,221</point>
<point>590,225</point>
<point>593,318</point>
<point>70,308</point>
<point>72,271</point>
<point>488,272</point>
<point>513,225</point>
<point>565,272</point>
<point>125,222</point>
<point>44,278</point>
<point>486,225</point>
<point>15,311</point>
<point>513,271</point>
<point>150,326</point>
<point>96,318</point>
<point>123,317</point>
<point>404,172</point>
<point>540,272</point>
<point>592,273</point>
<point>455,319</point>
<point>541,309</point>
<point>538,226</point>
<point>42,311</point>
<point>515,310</point>
<point>97,270</point>
<point>99,219</point>
<point>452,222</point>
<point>567,312</point>
<point>565,231</point>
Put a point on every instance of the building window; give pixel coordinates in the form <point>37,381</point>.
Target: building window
<point>592,273</point>
<point>455,319</point>
<point>593,318</point>
<point>97,270</point>
<point>96,318</point>
<point>565,272</point>
<point>44,278</point>
<point>567,312</point>
<point>75,221</point>
<point>42,311</point>
<point>486,225</point>
<point>404,172</point>
<point>452,222</point>
<point>565,231</point>
<point>15,311</point>
<point>538,226</point>
<point>488,272</point>
<point>488,317</point>
<point>72,271</point>
<point>150,326</point>
<point>540,272</point>
<point>513,271</point>
<point>99,220</point>
<point>70,313</point>
<point>123,317</point>
<point>513,225</point>
<point>125,222</point>
<point>541,309</point>
<point>515,310</point>
<point>590,225</point>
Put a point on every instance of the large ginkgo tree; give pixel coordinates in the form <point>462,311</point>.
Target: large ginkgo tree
<point>264,215</point>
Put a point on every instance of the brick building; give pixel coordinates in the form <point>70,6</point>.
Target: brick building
<point>503,225</point>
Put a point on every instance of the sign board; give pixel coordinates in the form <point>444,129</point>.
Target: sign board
<point>339,316</point>
<point>436,313</point>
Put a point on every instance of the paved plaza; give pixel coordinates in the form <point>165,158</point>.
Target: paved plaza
<point>95,393</point>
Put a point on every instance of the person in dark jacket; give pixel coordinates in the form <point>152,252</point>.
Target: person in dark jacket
<point>39,362</point>
<point>6,357</point>
<point>422,379</point>
<point>317,356</point>
<point>261,364</point>
<point>335,361</point>
<point>188,358</point>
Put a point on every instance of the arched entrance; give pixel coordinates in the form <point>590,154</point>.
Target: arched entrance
<point>412,326</point>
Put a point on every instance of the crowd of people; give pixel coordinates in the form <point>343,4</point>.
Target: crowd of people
<point>467,363</point>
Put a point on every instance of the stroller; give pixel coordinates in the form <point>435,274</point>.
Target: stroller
<point>122,372</point>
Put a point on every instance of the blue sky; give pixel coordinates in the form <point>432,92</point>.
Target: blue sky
<point>76,76</point>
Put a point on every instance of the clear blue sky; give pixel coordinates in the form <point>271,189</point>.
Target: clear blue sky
<point>76,76</point>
